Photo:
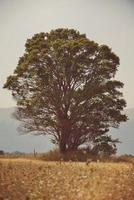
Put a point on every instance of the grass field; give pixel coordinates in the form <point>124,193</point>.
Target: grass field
<point>23,179</point>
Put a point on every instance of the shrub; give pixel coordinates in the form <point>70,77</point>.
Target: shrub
<point>81,155</point>
<point>1,152</point>
<point>52,155</point>
<point>126,158</point>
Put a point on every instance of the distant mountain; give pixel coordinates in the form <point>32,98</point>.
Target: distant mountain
<point>11,140</point>
<point>125,133</point>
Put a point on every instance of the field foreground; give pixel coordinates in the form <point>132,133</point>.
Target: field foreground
<point>22,179</point>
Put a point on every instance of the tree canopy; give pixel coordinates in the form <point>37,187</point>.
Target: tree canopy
<point>64,86</point>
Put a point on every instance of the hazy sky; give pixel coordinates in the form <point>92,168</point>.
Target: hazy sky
<point>108,22</point>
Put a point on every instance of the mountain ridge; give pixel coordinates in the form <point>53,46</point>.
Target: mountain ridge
<point>11,140</point>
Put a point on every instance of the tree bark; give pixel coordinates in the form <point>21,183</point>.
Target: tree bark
<point>62,147</point>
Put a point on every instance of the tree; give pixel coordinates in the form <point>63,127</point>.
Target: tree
<point>64,86</point>
<point>104,145</point>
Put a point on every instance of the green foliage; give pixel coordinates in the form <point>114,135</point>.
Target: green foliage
<point>64,86</point>
<point>104,146</point>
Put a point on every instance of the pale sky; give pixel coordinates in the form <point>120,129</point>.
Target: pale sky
<point>109,22</point>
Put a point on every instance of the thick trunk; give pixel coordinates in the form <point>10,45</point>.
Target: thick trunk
<point>65,129</point>
<point>64,149</point>
<point>67,141</point>
<point>72,148</point>
<point>62,146</point>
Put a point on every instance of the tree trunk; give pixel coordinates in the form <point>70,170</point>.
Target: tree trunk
<point>72,148</point>
<point>62,146</point>
<point>65,124</point>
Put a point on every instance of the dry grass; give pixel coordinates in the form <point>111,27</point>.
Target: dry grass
<point>22,179</point>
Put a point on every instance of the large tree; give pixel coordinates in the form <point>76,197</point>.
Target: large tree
<point>64,86</point>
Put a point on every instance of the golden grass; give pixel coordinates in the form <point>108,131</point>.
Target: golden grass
<point>23,179</point>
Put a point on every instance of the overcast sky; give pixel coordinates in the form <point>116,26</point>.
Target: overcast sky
<point>109,22</point>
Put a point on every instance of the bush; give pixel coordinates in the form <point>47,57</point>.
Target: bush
<point>1,152</point>
<point>52,155</point>
<point>125,158</point>
<point>81,155</point>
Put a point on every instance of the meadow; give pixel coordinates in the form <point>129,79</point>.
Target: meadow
<point>26,179</point>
